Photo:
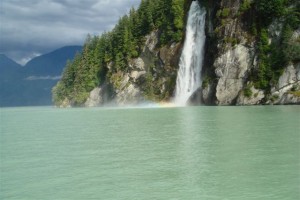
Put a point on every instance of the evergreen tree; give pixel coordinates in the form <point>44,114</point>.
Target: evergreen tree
<point>117,47</point>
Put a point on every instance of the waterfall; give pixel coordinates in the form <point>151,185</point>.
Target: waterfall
<point>191,60</point>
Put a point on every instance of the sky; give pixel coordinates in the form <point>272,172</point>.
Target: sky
<point>29,28</point>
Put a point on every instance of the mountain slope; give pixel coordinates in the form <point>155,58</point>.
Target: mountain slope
<point>137,60</point>
<point>251,56</point>
<point>31,85</point>
<point>7,67</point>
<point>51,64</point>
<point>6,62</point>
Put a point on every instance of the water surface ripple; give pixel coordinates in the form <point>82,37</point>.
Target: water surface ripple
<point>150,153</point>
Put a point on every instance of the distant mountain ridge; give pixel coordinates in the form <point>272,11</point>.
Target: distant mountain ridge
<point>31,85</point>
<point>7,67</point>
<point>52,63</point>
<point>6,62</point>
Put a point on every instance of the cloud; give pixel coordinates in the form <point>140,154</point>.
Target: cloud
<point>26,59</point>
<point>35,78</point>
<point>40,26</point>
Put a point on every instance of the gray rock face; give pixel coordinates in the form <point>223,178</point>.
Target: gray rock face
<point>129,95</point>
<point>95,98</point>
<point>65,104</point>
<point>170,55</point>
<point>152,41</point>
<point>296,35</point>
<point>135,75</point>
<point>137,67</point>
<point>235,57</point>
<point>275,30</point>
<point>255,99</point>
<point>157,63</point>
<point>288,84</point>
<point>128,92</point>
<point>124,82</point>
<point>137,64</point>
<point>289,76</point>
<point>207,94</point>
<point>289,99</point>
<point>98,96</point>
<point>231,68</point>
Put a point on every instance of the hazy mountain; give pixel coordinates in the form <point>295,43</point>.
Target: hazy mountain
<point>6,62</point>
<point>51,64</point>
<point>7,67</point>
<point>31,85</point>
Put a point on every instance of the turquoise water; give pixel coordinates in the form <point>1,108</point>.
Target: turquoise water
<point>150,153</point>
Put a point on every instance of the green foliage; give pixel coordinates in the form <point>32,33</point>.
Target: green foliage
<point>270,9</point>
<point>253,30</point>
<point>82,74</point>
<point>245,6</point>
<point>263,75</point>
<point>231,40</point>
<point>247,91</point>
<point>295,90</point>
<point>293,15</point>
<point>116,48</point>
<point>274,55</point>
<point>178,13</point>
<point>295,93</point>
<point>290,47</point>
<point>116,79</point>
<point>58,93</point>
<point>150,88</point>
<point>223,13</point>
<point>206,81</point>
<point>274,98</point>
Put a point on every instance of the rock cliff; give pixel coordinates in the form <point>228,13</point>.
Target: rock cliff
<point>150,77</point>
<point>251,57</point>
<point>234,58</point>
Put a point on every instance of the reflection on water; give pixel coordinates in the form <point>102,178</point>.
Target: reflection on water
<point>192,152</point>
<point>167,153</point>
<point>240,153</point>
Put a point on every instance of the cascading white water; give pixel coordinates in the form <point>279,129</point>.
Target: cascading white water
<point>191,60</point>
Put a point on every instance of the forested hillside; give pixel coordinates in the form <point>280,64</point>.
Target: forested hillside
<point>251,55</point>
<point>273,56</point>
<point>117,47</point>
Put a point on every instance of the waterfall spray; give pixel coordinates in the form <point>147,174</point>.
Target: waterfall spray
<point>191,60</point>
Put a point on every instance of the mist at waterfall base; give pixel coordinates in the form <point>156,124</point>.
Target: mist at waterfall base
<point>191,60</point>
